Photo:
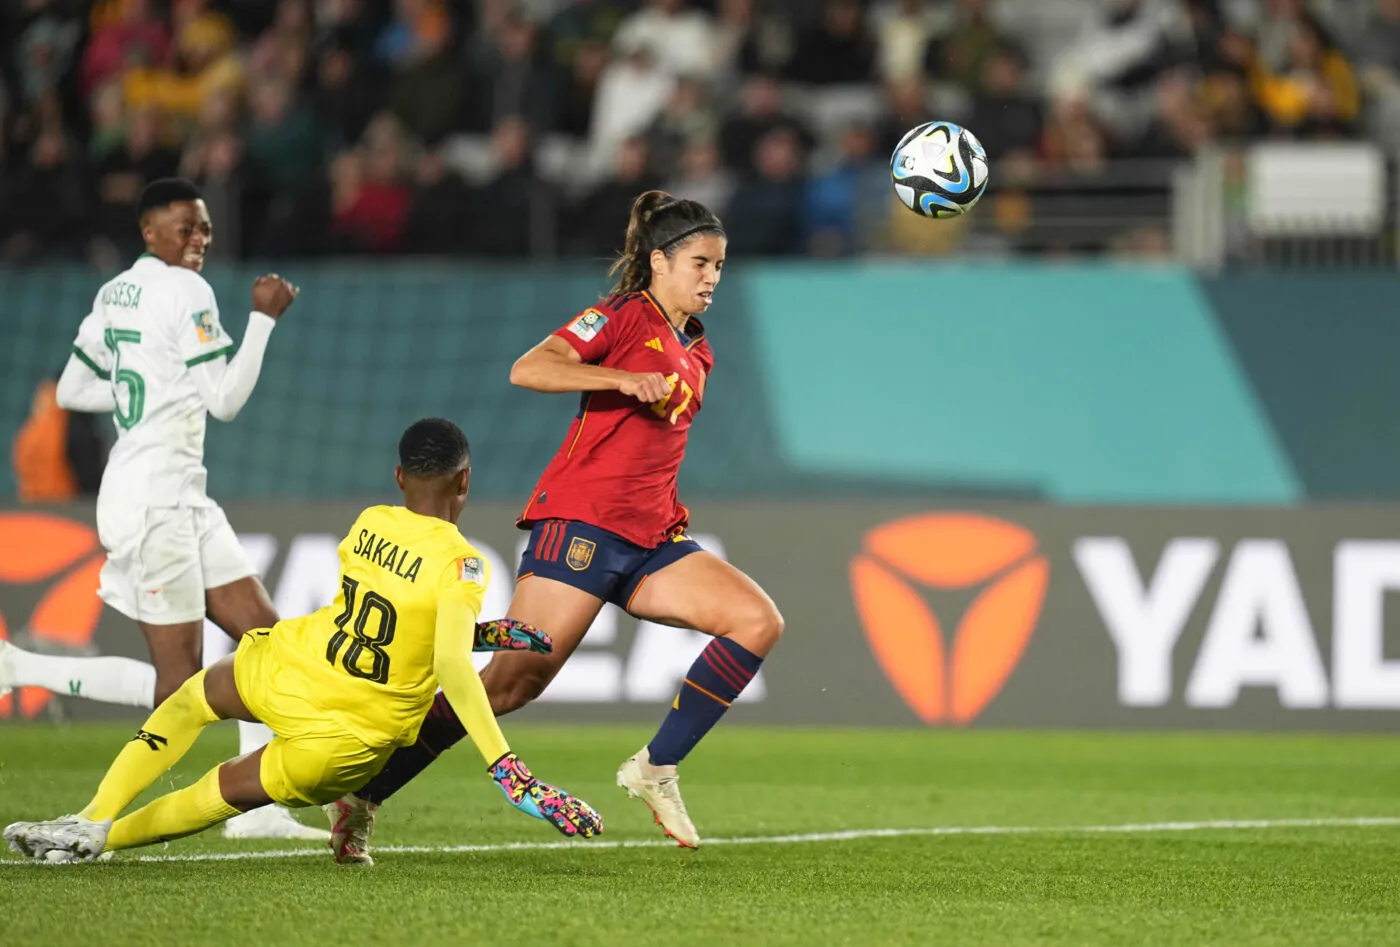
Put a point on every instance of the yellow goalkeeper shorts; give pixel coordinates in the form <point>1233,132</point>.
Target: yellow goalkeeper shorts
<point>312,760</point>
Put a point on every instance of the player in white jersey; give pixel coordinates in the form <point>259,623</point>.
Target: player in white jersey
<point>154,354</point>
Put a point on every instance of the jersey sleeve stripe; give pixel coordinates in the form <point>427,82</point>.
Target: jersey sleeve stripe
<point>209,356</point>
<point>96,369</point>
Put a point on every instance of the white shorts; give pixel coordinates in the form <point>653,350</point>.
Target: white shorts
<point>161,559</point>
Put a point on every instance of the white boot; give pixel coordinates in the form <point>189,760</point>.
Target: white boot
<point>659,787</point>
<point>352,823</point>
<point>69,838</point>
<point>271,822</point>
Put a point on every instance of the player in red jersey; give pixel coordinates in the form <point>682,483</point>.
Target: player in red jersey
<point>606,523</point>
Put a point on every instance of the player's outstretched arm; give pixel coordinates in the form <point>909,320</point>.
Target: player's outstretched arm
<point>455,636</point>
<point>456,630</point>
<point>85,384</point>
<point>555,366</point>
<point>226,384</point>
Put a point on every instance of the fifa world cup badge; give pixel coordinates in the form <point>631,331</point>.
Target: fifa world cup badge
<point>588,325</point>
<point>205,325</point>
<point>471,569</point>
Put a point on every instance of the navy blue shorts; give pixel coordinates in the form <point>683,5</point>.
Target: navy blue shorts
<point>597,561</point>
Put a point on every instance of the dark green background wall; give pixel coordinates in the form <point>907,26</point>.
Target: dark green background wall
<point>1073,384</point>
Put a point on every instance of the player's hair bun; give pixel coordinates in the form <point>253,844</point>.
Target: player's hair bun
<point>648,203</point>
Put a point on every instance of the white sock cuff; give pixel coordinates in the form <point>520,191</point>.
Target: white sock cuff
<point>123,681</point>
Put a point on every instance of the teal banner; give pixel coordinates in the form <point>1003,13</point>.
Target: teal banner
<point>1062,384</point>
<point>1076,384</point>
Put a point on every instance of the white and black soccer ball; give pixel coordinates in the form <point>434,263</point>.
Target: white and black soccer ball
<point>939,170</point>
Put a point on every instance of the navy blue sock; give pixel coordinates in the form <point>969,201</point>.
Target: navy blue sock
<point>440,731</point>
<point>713,682</point>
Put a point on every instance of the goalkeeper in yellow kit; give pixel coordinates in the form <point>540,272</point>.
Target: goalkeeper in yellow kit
<point>341,688</point>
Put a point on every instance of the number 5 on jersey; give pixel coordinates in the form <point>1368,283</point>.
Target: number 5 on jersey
<point>135,384</point>
<point>364,639</point>
<point>661,407</point>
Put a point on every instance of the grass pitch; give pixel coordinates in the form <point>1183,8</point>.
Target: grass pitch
<point>1073,839</point>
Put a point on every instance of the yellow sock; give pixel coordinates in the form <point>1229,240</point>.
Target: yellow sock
<point>166,736</point>
<point>174,815</point>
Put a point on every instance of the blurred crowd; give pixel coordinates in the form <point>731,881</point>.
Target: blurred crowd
<point>514,128</point>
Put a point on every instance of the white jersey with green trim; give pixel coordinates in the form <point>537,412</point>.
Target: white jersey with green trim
<point>150,327</point>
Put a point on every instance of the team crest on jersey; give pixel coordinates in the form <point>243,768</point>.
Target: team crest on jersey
<point>471,569</point>
<point>588,325</point>
<point>580,554</point>
<point>205,325</point>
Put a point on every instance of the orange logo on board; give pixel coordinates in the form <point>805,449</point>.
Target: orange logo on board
<point>39,547</point>
<point>952,679</point>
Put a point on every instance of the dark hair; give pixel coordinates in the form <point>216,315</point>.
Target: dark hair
<point>164,192</point>
<point>658,222</point>
<point>432,447</point>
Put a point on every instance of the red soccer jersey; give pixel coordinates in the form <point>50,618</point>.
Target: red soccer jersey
<point>617,467</point>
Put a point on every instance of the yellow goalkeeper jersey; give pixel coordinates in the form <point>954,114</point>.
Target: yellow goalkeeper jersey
<point>367,659</point>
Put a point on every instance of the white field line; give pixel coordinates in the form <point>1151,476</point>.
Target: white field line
<point>1129,828</point>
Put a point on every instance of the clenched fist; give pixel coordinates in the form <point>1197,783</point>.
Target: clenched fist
<point>646,387</point>
<point>272,295</point>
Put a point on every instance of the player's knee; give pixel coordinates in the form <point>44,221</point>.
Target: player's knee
<point>768,624</point>
<point>757,625</point>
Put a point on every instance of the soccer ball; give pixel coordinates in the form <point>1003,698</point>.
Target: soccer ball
<point>939,170</point>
